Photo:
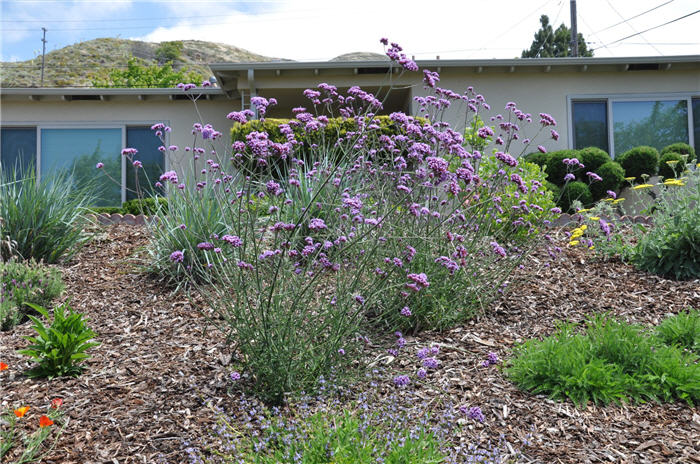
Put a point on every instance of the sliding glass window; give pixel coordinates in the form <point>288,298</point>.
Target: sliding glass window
<point>656,123</point>
<point>76,152</point>
<point>17,151</point>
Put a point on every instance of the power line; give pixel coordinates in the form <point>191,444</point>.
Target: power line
<point>632,27</point>
<point>544,41</point>
<point>636,16</point>
<point>652,28</point>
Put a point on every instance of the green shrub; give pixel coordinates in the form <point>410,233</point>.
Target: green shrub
<point>592,158</point>
<point>107,210</point>
<point>554,188</point>
<point>556,169</point>
<point>146,206</point>
<point>671,247</point>
<point>45,218</point>
<point>638,161</point>
<point>538,158</point>
<point>675,168</point>
<point>502,222</point>
<point>682,330</point>
<point>610,361</point>
<point>612,174</point>
<point>681,148</point>
<point>60,348</point>
<point>22,284</point>
<point>574,191</point>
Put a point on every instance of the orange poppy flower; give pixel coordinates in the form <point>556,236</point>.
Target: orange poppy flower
<point>3,366</point>
<point>56,403</point>
<point>20,412</point>
<point>44,421</point>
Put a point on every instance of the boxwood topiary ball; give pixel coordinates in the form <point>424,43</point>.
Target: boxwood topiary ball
<point>613,175</point>
<point>593,158</point>
<point>572,191</point>
<point>556,169</point>
<point>666,170</point>
<point>638,161</point>
<point>680,148</point>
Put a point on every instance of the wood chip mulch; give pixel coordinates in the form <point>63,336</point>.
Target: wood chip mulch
<point>144,390</point>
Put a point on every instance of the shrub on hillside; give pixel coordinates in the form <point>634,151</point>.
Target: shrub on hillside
<point>612,174</point>
<point>638,161</point>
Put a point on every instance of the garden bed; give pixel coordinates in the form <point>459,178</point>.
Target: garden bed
<point>143,394</point>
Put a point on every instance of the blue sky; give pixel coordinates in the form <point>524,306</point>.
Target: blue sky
<point>322,29</point>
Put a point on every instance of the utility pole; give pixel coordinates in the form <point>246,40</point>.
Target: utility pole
<point>43,52</point>
<point>574,29</point>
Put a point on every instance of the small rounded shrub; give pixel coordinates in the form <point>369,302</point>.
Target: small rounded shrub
<point>613,175</point>
<point>556,169</point>
<point>537,157</point>
<point>146,206</point>
<point>554,188</point>
<point>681,148</point>
<point>639,160</point>
<point>593,158</point>
<point>666,170</point>
<point>573,191</point>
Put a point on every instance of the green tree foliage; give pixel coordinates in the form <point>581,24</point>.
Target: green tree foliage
<point>550,43</point>
<point>169,51</point>
<point>138,74</point>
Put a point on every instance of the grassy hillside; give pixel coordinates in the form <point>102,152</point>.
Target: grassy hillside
<point>73,66</point>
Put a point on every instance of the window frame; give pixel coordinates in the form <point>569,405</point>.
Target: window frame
<point>630,97</point>
<point>121,125</point>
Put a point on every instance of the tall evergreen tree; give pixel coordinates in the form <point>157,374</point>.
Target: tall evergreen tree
<point>551,43</point>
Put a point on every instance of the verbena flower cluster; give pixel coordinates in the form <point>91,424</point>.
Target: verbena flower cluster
<point>306,248</point>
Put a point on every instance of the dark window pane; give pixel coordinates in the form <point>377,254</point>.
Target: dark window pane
<point>18,150</point>
<point>77,152</point>
<point>653,123</point>
<point>590,124</point>
<point>144,140</point>
<point>696,123</point>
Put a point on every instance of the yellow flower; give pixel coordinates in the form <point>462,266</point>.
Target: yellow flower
<point>672,162</point>
<point>674,182</point>
<point>594,218</point>
<point>642,186</point>
<point>619,200</point>
<point>583,210</point>
<point>573,243</point>
<point>591,247</point>
<point>630,179</point>
<point>608,199</point>
<point>583,227</point>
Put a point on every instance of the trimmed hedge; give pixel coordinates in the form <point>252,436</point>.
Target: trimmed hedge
<point>538,158</point>
<point>613,175</point>
<point>639,160</point>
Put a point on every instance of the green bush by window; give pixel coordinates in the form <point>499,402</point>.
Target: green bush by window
<point>613,175</point>
<point>681,148</point>
<point>671,165</point>
<point>573,191</point>
<point>638,161</point>
<point>556,169</point>
<point>592,158</point>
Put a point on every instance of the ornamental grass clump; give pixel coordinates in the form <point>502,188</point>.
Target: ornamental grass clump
<point>355,231</point>
<point>44,219</point>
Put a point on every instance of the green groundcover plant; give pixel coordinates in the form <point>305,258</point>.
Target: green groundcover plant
<point>61,347</point>
<point>608,361</point>
<point>682,330</point>
<point>22,283</point>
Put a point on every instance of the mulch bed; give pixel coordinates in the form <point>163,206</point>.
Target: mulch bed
<point>144,390</point>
